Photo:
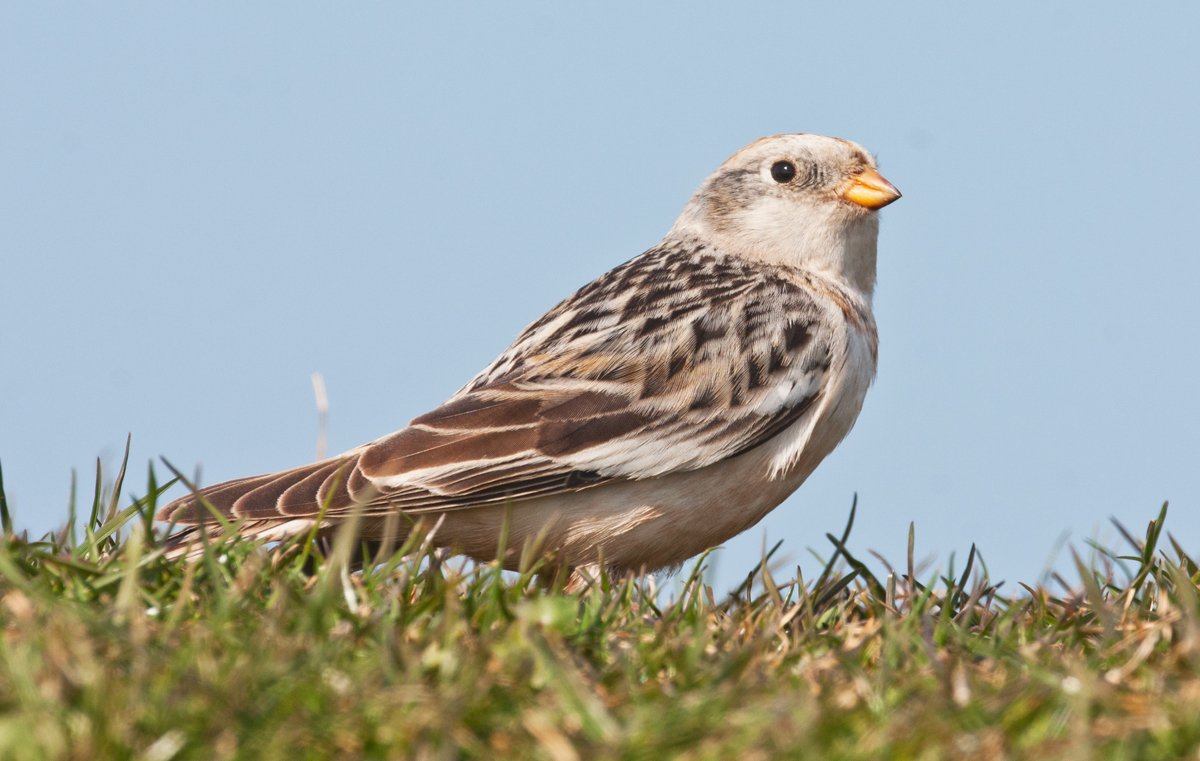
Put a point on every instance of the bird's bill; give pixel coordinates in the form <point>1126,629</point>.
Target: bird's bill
<point>869,190</point>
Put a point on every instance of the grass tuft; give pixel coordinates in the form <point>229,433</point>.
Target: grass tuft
<point>109,650</point>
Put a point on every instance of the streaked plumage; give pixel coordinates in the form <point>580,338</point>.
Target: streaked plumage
<point>657,411</point>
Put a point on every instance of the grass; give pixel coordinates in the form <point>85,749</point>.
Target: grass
<point>110,650</point>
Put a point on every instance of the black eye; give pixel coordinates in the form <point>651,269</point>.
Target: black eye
<point>783,171</point>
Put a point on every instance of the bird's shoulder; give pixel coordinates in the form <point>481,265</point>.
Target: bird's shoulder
<point>681,302</point>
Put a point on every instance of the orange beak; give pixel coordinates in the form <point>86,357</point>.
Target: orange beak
<point>869,190</point>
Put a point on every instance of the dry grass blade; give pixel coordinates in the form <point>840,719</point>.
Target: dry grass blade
<point>5,515</point>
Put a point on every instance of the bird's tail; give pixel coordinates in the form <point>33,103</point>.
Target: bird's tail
<point>189,541</point>
<point>271,507</point>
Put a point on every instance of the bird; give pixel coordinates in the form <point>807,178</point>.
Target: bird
<point>653,414</point>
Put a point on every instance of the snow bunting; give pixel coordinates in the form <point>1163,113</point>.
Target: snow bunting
<point>656,412</point>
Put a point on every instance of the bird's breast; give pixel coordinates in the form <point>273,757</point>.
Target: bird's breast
<point>797,451</point>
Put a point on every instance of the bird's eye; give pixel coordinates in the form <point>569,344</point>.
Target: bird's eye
<point>783,171</point>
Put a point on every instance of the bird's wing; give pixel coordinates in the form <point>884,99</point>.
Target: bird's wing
<point>674,361</point>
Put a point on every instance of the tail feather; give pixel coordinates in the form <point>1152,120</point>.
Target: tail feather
<point>190,510</point>
<point>321,486</point>
<point>262,501</point>
<point>188,542</point>
<point>297,493</point>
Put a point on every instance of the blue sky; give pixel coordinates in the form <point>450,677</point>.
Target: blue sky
<point>202,205</point>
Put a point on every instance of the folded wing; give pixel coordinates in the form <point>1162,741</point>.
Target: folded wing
<point>674,361</point>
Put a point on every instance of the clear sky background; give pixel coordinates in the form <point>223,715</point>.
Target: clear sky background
<point>201,205</point>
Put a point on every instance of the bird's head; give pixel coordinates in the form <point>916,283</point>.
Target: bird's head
<point>803,200</point>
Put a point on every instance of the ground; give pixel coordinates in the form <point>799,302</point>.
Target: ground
<point>112,650</point>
